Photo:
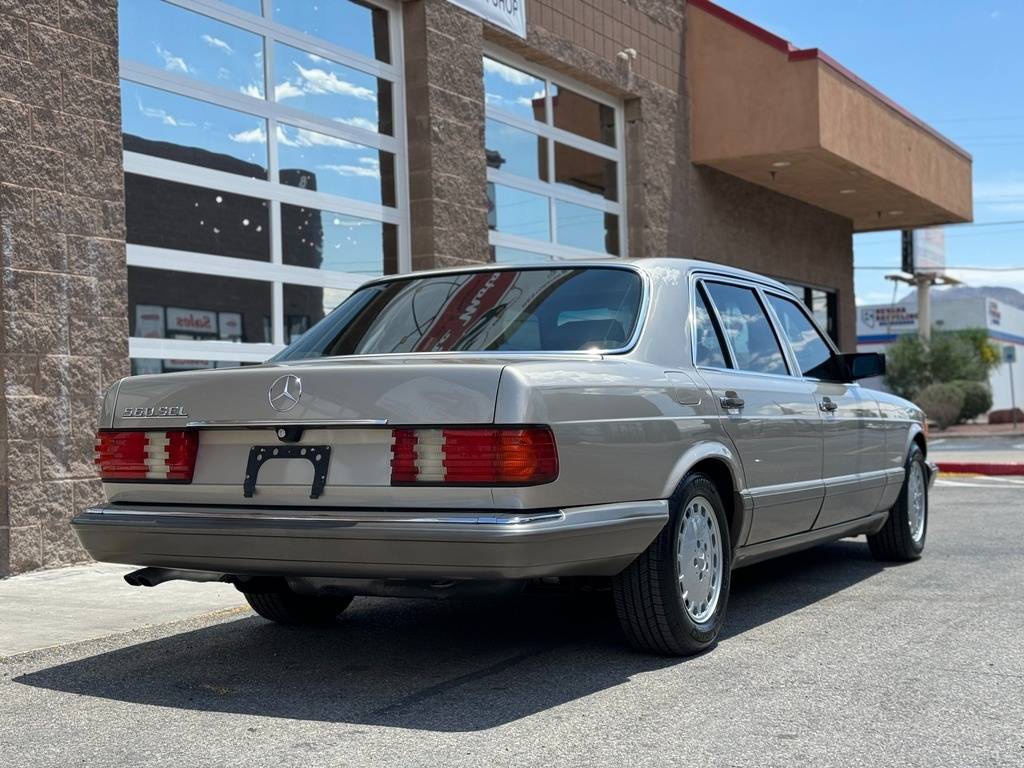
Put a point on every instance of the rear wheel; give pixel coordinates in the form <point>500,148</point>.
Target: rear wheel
<point>672,598</point>
<point>902,536</point>
<point>287,607</point>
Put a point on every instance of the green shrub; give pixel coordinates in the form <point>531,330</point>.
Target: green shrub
<point>906,366</point>
<point>977,399</point>
<point>941,403</point>
<point>912,365</point>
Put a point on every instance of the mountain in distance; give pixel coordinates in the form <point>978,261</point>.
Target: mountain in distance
<point>1010,296</point>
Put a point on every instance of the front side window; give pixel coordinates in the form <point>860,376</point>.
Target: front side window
<point>813,354</point>
<point>751,338</point>
<point>554,166</point>
<point>508,310</point>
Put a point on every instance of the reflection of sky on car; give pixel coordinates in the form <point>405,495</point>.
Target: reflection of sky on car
<point>187,44</point>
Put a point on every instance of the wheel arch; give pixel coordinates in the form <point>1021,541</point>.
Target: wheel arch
<point>721,465</point>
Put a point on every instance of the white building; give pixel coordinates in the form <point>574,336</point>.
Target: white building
<point>879,325</point>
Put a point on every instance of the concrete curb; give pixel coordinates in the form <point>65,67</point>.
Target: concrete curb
<point>982,467</point>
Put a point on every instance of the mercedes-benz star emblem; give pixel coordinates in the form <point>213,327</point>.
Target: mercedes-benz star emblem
<point>285,392</point>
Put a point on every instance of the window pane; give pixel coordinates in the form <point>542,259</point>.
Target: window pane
<point>586,172</point>
<point>312,83</point>
<point>359,27</point>
<point>314,160</point>
<point>812,352</point>
<point>167,304</point>
<point>518,213</point>
<point>178,128</point>
<point>582,116</point>
<point>509,309</point>
<point>587,228</point>
<point>165,214</point>
<point>513,90</point>
<point>306,305</point>
<point>513,150</point>
<point>751,337</point>
<point>707,341</point>
<point>338,242</point>
<point>181,42</point>
<point>503,255</point>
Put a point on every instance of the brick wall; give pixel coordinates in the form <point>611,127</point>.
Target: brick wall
<point>63,296</point>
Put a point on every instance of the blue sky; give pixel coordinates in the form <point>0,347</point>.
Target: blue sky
<point>960,67</point>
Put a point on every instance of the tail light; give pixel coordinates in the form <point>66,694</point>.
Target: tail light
<point>473,456</point>
<point>147,456</point>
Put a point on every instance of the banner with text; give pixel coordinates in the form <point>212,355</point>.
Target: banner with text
<point>507,14</point>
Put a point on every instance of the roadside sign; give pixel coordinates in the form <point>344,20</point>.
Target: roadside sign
<point>1009,354</point>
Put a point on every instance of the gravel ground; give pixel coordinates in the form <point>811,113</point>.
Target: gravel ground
<point>828,658</point>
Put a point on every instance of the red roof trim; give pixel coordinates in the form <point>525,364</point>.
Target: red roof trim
<point>805,54</point>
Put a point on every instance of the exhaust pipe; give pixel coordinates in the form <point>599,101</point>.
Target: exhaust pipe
<point>150,577</point>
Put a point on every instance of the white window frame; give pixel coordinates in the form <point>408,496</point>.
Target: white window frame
<point>275,272</point>
<point>549,189</point>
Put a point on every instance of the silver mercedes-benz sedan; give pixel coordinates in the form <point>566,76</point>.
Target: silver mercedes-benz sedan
<point>645,425</point>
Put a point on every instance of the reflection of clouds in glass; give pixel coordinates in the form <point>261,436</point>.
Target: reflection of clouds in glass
<point>286,90</point>
<point>257,135</point>
<point>216,42</point>
<point>164,116</point>
<point>368,167</point>
<point>300,137</point>
<point>252,89</point>
<point>528,101</point>
<point>173,63</point>
<point>319,81</point>
<point>507,73</point>
<point>358,122</point>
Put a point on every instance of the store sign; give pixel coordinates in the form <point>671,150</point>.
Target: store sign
<point>197,321</point>
<point>924,251</point>
<point>230,324</point>
<point>884,318</point>
<point>507,14</point>
<point>995,317</point>
<point>149,321</point>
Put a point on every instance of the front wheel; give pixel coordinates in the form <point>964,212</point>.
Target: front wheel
<point>671,600</point>
<point>287,607</point>
<point>902,536</point>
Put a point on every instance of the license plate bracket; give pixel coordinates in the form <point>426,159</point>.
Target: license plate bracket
<point>317,455</point>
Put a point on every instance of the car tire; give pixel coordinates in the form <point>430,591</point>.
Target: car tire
<point>652,595</point>
<point>902,537</point>
<point>287,607</point>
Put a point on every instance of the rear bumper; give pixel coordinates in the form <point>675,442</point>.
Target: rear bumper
<point>580,541</point>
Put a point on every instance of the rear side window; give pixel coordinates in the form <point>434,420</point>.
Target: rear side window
<point>505,310</point>
<point>707,342</point>
<point>751,338</point>
<point>813,354</point>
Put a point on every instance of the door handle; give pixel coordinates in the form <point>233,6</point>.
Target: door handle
<point>731,401</point>
<point>827,405</point>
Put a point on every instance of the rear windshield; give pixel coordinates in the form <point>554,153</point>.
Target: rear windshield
<point>508,310</point>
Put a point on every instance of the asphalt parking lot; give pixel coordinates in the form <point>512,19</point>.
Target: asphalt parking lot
<point>828,658</point>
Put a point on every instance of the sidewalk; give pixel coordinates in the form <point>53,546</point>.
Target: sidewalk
<point>84,602</point>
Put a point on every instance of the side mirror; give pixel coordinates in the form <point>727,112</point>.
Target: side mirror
<point>864,365</point>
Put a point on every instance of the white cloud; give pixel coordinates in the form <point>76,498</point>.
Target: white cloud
<point>257,135</point>
<point>286,90</point>
<point>363,171</point>
<point>358,122</point>
<point>1005,196</point>
<point>300,137</point>
<point>164,116</point>
<point>252,90</point>
<point>318,81</point>
<point>1011,278</point>
<point>507,73</point>
<point>173,63</point>
<point>216,42</point>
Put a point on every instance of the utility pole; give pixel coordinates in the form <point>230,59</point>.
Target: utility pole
<point>924,307</point>
<point>922,271</point>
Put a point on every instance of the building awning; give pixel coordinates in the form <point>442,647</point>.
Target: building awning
<point>798,122</point>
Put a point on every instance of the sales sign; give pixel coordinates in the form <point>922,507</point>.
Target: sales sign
<point>507,14</point>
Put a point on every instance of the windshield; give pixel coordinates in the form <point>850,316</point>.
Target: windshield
<point>506,310</point>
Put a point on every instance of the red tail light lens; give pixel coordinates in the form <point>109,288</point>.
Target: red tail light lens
<point>461,456</point>
<point>149,456</point>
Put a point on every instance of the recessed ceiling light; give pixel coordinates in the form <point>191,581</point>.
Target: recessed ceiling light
<point>781,164</point>
<point>895,213</point>
<point>847,191</point>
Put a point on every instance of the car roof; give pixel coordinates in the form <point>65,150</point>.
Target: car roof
<point>653,267</point>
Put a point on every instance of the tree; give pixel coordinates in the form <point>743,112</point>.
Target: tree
<point>912,365</point>
<point>906,366</point>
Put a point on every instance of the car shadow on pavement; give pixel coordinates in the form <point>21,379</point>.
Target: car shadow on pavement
<point>437,665</point>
